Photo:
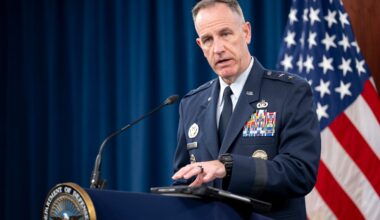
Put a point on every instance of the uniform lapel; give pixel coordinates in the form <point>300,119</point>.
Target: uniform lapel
<point>207,120</point>
<point>243,109</point>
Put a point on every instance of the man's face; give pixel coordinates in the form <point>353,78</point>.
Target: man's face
<point>224,38</point>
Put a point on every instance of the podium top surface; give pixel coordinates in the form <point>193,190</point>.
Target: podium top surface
<point>129,205</point>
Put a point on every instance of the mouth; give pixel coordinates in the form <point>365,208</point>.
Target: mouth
<point>222,62</point>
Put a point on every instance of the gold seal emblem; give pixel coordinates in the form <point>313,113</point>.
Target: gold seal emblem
<point>193,130</point>
<point>260,154</point>
<point>68,201</point>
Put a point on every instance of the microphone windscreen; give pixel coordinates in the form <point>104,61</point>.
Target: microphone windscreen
<point>171,99</point>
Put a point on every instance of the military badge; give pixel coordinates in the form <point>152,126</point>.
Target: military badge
<point>262,104</point>
<point>193,130</point>
<point>261,123</point>
<point>249,93</point>
<point>260,154</point>
<point>192,158</point>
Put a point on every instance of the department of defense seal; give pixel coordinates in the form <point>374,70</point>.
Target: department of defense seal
<point>68,201</point>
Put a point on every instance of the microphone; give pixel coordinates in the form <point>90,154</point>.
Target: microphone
<point>96,181</point>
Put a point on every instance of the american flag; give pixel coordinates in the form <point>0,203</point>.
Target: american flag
<point>319,45</point>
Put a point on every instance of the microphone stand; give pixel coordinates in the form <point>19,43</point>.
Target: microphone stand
<point>96,181</point>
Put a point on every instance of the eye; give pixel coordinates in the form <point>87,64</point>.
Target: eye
<point>207,41</point>
<point>226,33</point>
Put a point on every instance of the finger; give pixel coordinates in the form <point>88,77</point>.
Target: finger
<point>198,181</point>
<point>209,176</point>
<point>194,171</point>
<point>179,174</point>
<point>188,171</point>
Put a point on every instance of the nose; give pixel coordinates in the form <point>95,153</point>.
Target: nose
<point>218,46</point>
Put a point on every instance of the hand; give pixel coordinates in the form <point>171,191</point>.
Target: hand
<point>206,171</point>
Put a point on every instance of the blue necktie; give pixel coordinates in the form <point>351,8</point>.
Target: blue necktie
<point>226,113</point>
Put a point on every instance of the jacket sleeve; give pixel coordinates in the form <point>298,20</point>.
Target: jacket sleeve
<point>292,172</point>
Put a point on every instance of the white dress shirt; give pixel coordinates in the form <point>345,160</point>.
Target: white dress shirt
<point>236,88</point>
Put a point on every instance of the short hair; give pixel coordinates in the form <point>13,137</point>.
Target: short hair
<point>232,4</point>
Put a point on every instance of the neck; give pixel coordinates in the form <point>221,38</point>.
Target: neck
<point>232,79</point>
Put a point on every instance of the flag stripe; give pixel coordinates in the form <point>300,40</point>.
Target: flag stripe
<point>357,148</point>
<point>373,83</point>
<point>349,176</point>
<point>332,193</point>
<point>320,46</point>
<point>317,207</point>
<point>370,95</point>
<point>365,123</point>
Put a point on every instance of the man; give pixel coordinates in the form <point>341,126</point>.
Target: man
<point>251,131</point>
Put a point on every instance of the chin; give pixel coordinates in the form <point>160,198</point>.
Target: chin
<point>227,74</point>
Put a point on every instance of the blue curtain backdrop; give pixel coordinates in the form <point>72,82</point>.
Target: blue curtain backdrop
<point>72,72</point>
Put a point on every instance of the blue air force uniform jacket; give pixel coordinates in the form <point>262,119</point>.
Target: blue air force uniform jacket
<point>273,136</point>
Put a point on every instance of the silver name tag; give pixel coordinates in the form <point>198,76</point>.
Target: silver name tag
<point>192,145</point>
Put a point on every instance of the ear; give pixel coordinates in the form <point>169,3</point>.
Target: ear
<point>198,40</point>
<point>247,32</point>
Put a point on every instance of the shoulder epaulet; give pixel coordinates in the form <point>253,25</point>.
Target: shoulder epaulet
<point>201,88</point>
<point>282,76</point>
